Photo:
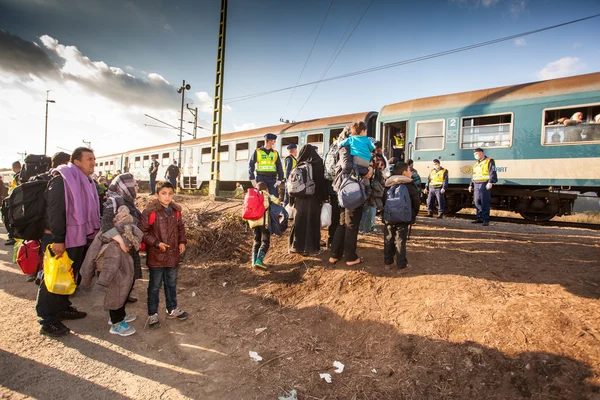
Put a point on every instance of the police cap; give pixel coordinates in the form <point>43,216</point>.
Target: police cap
<point>270,136</point>
<point>479,149</point>
<point>436,161</point>
<point>292,146</point>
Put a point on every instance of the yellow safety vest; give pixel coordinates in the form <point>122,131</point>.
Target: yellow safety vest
<point>266,162</point>
<point>436,178</point>
<point>294,162</point>
<point>399,141</point>
<point>481,170</point>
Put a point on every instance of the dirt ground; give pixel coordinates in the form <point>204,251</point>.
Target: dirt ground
<point>504,312</point>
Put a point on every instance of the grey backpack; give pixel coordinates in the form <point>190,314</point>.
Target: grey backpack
<point>351,193</point>
<point>300,183</point>
<point>397,207</point>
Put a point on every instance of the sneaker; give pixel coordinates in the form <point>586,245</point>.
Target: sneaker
<point>128,318</point>
<point>10,242</point>
<point>440,216</point>
<point>55,330</point>
<point>131,299</point>
<point>403,270</point>
<point>390,266</point>
<point>72,313</point>
<point>122,329</point>
<point>31,278</point>
<point>177,313</point>
<point>486,223</point>
<point>477,221</point>
<point>153,321</point>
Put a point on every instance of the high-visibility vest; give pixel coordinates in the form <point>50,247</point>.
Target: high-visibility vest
<point>481,170</point>
<point>294,162</point>
<point>266,162</point>
<point>436,178</point>
<point>399,141</point>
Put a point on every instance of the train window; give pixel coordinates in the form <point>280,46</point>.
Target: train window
<point>101,164</point>
<point>137,162</point>
<point>205,155</point>
<point>260,144</point>
<point>486,131</point>
<point>241,151</point>
<point>285,142</point>
<point>146,162</point>
<point>112,163</point>
<point>334,134</point>
<point>224,153</point>
<point>316,139</point>
<point>430,135</point>
<point>572,125</point>
<point>166,159</point>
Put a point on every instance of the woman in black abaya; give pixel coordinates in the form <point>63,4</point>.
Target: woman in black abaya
<point>306,232</point>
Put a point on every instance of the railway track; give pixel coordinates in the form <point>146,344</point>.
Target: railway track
<point>522,221</point>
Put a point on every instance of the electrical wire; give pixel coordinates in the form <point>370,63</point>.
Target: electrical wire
<point>412,60</point>
<point>308,58</point>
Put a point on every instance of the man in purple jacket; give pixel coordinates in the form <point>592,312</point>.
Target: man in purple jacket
<point>72,221</point>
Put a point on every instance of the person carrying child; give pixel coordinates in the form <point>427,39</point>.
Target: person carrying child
<point>260,228</point>
<point>108,256</point>
<point>164,235</point>
<point>401,205</point>
<point>360,144</point>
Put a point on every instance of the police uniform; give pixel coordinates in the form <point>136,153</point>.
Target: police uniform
<point>438,181</point>
<point>265,166</point>
<point>484,173</point>
<point>399,148</point>
<point>290,164</point>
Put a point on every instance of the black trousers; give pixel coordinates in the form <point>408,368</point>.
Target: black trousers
<point>335,214</point>
<point>116,316</point>
<point>262,239</point>
<point>49,305</point>
<point>346,234</point>
<point>394,244</point>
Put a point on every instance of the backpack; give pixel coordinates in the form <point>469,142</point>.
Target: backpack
<point>34,165</point>
<point>331,160</point>
<point>26,210</point>
<point>29,257</point>
<point>278,219</point>
<point>152,217</point>
<point>300,183</point>
<point>397,207</point>
<point>254,205</point>
<point>351,192</point>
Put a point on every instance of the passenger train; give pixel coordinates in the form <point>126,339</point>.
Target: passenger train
<point>541,162</point>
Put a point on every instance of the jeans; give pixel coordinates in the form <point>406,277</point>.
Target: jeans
<point>262,239</point>
<point>367,220</point>
<point>436,194</point>
<point>270,181</point>
<point>152,183</point>
<point>49,305</point>
<point>173,182</point>
<point>394,244</point>
<point>483,199</point>
<point>346,235</point>
<point>157,276</point>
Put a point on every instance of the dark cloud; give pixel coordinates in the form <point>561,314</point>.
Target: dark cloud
<point>22,58</point>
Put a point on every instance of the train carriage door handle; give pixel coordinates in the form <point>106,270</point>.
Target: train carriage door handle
<point>410,147</point>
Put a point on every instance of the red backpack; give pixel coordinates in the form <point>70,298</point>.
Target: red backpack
<point>28,257</point>
<point>151,219</point>
<point>254,205</point>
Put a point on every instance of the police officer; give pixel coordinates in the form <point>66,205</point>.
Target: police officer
<point>398,146</point>
<point>436,186</point>
<point>290,164</point>
<point>153,171</point>
<point>484,176</point>
<point>268,165</point>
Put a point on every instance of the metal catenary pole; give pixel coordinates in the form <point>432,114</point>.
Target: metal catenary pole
<point>215,165</point>
<point>180,135</point>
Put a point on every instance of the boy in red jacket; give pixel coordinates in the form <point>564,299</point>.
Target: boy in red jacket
<point>164,235</point>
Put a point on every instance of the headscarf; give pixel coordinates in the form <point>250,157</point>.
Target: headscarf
<point>308,154</point>
<point>124,186</point>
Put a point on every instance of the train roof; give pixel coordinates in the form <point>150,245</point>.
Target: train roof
<point>311,124</point>
<point>573,84</point>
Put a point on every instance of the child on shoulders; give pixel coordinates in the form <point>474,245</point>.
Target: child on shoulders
<point>360,144</point>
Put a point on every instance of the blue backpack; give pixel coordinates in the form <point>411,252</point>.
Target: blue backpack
<point>352,193</point>
<point>278,219</point>
<point>397,207</point>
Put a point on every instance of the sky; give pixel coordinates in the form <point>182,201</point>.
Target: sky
<point>108,63</point>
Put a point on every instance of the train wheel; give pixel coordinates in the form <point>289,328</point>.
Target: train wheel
<point>540,210</point>
<point>537,217</point>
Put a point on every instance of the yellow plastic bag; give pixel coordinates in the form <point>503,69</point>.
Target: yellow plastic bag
<point>58,274</point>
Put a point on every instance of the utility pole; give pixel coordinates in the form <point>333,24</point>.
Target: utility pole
<point>46,130</point>
<point>215,162</point>
<point>23,155</point>
<point>88,144</point>
<point>181,90</point>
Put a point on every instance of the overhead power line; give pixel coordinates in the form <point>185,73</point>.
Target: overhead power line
<point>412,60</point>
<point>308,58</point>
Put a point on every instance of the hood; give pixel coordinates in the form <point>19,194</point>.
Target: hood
<point>155,206</point>
<point>396,180</point>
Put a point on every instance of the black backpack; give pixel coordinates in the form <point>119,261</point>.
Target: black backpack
<point>25,210</point>
<point>34,165</point>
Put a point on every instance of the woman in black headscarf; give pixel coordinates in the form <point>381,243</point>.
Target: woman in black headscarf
<point>306,232</point>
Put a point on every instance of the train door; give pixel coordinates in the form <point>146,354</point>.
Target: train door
<point>394,140</point>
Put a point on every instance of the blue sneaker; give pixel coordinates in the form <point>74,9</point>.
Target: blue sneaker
<point>128,318</point>
<point>122,329</point>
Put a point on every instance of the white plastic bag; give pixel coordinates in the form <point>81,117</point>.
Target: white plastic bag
<point>291,211</point>
<point>326,215</point>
